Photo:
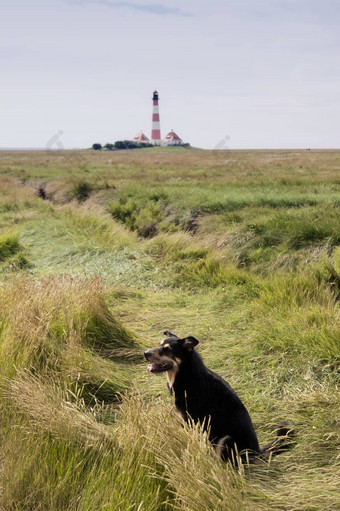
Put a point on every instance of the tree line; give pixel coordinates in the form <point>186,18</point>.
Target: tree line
<point>121,144</point>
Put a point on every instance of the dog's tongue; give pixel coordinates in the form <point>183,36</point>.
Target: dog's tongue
<point>158,368</point>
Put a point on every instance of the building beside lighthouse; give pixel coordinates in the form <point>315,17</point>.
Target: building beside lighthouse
<point>171,138</point>
<point>140,137</point>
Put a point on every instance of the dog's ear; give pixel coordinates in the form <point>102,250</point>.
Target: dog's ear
<point>170,334</point>
<point>189,343</point>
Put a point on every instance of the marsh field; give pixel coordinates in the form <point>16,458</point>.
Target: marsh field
<point>102,251</point>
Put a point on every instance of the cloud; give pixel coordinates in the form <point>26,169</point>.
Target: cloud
<point>158,9</point>
<point>307,11</point>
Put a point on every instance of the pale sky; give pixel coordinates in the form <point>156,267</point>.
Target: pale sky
<point>265,73</point>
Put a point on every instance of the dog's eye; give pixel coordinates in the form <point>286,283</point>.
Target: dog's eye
<point>166,349</point>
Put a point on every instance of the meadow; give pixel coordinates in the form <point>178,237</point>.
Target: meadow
<point>100,252</point>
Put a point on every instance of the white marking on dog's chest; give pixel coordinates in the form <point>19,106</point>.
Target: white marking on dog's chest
<point>171,376</point>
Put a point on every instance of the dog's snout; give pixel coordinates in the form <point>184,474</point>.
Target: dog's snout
<point>151,354</point>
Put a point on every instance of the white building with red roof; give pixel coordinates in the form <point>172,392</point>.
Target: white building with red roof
<point>172,139</point>
<point>140,137</point>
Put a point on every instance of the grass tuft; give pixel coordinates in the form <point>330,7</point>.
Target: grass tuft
<point>81,190</point>
<point>61,328</point>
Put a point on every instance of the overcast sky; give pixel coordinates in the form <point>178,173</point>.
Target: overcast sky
<point>260,73</point>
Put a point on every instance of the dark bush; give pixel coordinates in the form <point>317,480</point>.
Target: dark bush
<point>81,190</point>
<point>109,147</point>
<point>128,144</point>
<point>12,252</point>
<point>125,211</point>
<point>9,246</point>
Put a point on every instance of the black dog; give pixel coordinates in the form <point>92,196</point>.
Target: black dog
<point>206,398</point>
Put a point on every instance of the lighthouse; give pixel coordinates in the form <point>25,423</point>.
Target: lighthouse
<point>156,127</point>
<point>171,138</point>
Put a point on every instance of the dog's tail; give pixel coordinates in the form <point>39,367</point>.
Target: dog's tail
<point>283,441</point>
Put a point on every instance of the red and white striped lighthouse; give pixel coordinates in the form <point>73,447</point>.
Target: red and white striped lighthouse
<point>156,127</point>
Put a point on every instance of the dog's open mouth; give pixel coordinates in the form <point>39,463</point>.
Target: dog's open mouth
<point>159,367</point>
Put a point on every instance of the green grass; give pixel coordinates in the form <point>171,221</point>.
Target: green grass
<point>239,249</point>
<point>12,253</point>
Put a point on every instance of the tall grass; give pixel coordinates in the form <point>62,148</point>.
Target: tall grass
<point>92,221</point>
<point>295,314</point>
<point>61,328</point>
<point>240,249</point>
<point>130,464</point>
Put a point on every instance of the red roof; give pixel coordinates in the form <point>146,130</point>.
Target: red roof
<point>173,136</point>
<point>140,137</point>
